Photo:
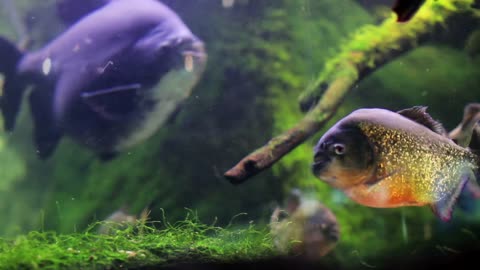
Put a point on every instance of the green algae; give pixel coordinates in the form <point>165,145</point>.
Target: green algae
<point>370,45</point>
<point>155,244</point>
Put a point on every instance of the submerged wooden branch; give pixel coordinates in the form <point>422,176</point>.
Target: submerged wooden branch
<point>369,48</point>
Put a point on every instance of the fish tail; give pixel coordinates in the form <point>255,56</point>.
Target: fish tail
<point>475,149</point>
<point>444,207</point>
<point>13,84</point>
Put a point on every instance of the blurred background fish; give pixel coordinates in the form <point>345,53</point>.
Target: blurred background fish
<point>467,133</point>
<point>304,228</point>
<point>108,82</point>
<point>380,158</point>
<point>121,219</point>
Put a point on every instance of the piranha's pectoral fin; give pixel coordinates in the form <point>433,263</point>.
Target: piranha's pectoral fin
<point>444,207</point>
<point>419,114</point>
<point>113,103</point>
<point>46,134</point>
<point>405,9</point>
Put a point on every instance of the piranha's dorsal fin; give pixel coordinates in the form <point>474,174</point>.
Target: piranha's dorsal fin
<point>419,114</point>
<point>444,207</point>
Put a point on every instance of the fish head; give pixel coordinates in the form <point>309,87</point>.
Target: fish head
<point>193,56</point>
<point>321,233</point>
<point>185,54</point>
<point>344,157</point>
<point>186,59</point>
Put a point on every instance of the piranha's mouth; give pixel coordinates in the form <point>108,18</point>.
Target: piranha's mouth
<point>194,56</point>
<point>319,163</point>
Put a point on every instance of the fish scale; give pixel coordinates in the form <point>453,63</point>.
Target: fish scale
<point>403,153</point>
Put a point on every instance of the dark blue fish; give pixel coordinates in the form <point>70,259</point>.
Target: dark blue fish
<point>71,11</point>
<point>109,81</point>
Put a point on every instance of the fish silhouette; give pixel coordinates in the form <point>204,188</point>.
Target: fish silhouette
<point>109,81</point>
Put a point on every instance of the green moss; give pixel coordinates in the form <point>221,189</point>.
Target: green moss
<point>187,241</point>
<point>10,159</point>
<point>371,44</point>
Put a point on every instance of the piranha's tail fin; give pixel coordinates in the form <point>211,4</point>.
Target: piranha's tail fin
<point>13,86</point>
<point>468,184</point>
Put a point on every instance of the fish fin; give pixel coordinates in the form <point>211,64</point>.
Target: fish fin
<point>444,207</point>
<point>13,86</point>
<point>419,114</point>
<point>473,188</point>
<point>46,134</point>
<point>406,9</point>
<point>112,103</point>
<point>466,200</point>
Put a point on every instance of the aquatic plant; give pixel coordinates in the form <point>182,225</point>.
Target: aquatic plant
<point>140,245</point>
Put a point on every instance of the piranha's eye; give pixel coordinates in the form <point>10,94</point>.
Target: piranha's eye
<point>338,149</point>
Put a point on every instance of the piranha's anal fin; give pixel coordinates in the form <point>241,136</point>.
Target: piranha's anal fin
<point>13,86</point>
<point>112,103</point>
<point>419,114</point>
<point>46,134</point>
<point>444,207</point>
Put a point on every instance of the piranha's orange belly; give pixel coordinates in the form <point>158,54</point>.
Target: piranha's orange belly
<point>384,196</point>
